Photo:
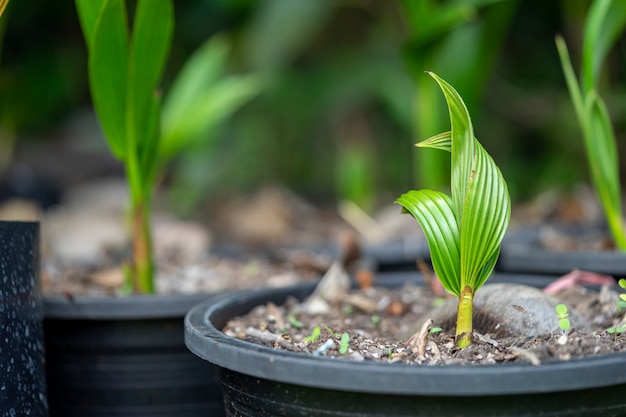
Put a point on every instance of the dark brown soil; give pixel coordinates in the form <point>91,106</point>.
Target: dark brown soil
<point>384,325</point>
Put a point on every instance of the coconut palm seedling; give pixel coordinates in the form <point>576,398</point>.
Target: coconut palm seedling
<point>464,231</point>
<point>125,67</point>
<point>604,23</point>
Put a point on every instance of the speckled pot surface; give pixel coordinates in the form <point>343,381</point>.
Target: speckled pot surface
<point>22,372</point>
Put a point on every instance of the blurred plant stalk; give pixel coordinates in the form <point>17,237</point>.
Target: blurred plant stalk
<point>461,40</point>
<point>604,23</point>
<point>125,70</point>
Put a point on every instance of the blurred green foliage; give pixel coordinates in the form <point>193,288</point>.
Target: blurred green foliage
<point>344,81</point>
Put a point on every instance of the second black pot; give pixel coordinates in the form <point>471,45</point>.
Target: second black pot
<point>125,356</point>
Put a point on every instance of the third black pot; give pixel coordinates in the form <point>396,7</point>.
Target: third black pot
<point>260,381</point>
<point>523,252</point>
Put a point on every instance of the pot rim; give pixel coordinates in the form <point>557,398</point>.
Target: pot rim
<point>128,307</point>
<point>522,252</point>
<point>204,339</point>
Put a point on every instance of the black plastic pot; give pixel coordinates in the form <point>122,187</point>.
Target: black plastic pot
<point>125,356</point>
<point>522,252</point>
<point>22,374</point>
<point>398,255</point>
<point>260,381</point>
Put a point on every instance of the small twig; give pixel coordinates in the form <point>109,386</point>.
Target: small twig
<point>361,221</point>
<point>486,339</point>
<point>418,340</point>
<point>523,353</point>
<point>270,337</point>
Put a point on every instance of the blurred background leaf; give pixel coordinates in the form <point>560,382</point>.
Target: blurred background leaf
<point>343,96</point>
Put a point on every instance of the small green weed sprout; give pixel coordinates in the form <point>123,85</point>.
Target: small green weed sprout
<point>344,343</point>
<point>562,314</point>
<point>615,331</point>
<point>315,335</point>
<point>330,331</point>
<point>435,330</point>
<point>621,303</point>
<point>294,321</point>
<point>464,230</point>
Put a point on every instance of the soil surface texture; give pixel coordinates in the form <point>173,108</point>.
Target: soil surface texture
<point>414,325</point>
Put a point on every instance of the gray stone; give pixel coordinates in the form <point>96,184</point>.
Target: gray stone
<point>510,310</point>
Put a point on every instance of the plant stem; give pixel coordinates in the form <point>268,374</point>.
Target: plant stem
<point>464,318</point>
<point>142,268</point>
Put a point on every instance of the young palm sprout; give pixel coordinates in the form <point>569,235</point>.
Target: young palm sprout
<point>464,230</point>
<point>143,131</point>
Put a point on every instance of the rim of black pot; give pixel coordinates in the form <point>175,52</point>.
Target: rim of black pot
<point>522,252</point>
<point>18,222</point>
<point>128,307</point>
<point>398,250</point>
<point>521,259</point>
<point>203,337</point>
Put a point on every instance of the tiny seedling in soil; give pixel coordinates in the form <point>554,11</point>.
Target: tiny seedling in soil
<point>315,334</point>
<point>562,314</point>
<point>616,331</point>
<point>294,321</point>
<point>464,230</point>
<point>344,344</point>
<point>435,330</point>
<point>621,303</point>
<point>330,331</point>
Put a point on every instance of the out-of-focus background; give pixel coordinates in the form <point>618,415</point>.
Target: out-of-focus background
<point>343,99</point>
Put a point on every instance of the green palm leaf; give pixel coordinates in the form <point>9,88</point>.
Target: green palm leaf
<point>108,65</point>
<point>442,141</point>
<point>433,211</point>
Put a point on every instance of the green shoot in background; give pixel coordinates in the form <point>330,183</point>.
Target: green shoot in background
<point>464,230</point>
<point>562,314</point>
<point>465,38</point>
<point>125,68</point>
<point>344,343</point>
<point>604,23</point>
